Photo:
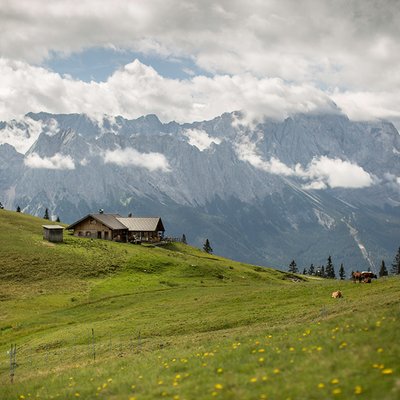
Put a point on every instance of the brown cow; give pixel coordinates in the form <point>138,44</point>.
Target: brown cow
<point>337,294</point>
<point>357,277</point>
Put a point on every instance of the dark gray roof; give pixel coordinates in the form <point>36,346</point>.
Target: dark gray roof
<point>109,220</point>
<point>142,224</point>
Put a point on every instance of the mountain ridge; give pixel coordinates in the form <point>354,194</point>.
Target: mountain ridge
<point>248,189</point>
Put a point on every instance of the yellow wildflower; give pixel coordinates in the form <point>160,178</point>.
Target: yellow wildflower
<point>218,386</point>
<point>276,371</point>
<point>336,391</point>
<point>335,381</point>
<point>220,370</point>
<point>358,389</point>
<point>261,359</point>
<point>253,380</point>
<point>387,371</point>
<point>321,385</point>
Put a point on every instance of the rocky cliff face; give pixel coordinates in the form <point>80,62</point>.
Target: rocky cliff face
<point>302,188</point>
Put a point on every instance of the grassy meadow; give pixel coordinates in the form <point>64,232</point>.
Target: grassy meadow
<point>94,319</point>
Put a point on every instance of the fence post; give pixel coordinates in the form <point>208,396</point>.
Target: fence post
<point>13,355</point>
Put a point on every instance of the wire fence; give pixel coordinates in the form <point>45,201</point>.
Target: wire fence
<point>53,355</point>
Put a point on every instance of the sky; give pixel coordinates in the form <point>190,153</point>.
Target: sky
<point>193,60</point>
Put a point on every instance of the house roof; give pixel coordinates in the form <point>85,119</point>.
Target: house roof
<point>116,222</point>
<point>142,224</point>
<point>53,227</point>
<point>109,220</point>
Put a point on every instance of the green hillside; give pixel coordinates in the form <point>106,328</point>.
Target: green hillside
<point>97,319</point>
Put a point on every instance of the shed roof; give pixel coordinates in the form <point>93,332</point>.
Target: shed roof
<point>53,227</point>
<point>109,220</point>
<point>142,224</point>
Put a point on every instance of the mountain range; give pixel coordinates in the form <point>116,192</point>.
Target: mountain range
<point>303,188</point>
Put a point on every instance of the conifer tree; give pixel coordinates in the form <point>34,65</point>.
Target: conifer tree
<point>183,240</point>
<point>58,219</point>
<point>18,209</point>
<point>293,267</point>
<point>342,273</point>
<point>330,269</point>
<point>1,205</point>
<point>322,272</point>
<point>383,270</point>
<point>207,247</point>
<point>311,271</point>
<point>304,271</point>
<point>46,214</point>
<point>396,264</point>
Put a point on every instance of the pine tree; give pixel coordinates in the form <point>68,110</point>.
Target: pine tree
<point>311,271</point>
<point>383,270</point>
<point>396,264</point>
<point>183,240</point>
<point>58,219</point>
<point>330,269</point>
<point>322,273</point>
<point>18,209</point>
<point>46,214</point>
<point>304,271</point>
<point>207,247</point>
<point>1,205</point>
<point>342,273</point>
<point>293,267</point>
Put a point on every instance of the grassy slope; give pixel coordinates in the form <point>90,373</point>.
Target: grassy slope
<point>192,310</point>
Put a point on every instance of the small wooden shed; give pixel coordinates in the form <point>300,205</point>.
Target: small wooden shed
<point>53,233</point>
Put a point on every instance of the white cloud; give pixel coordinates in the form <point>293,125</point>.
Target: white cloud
<point>247,151</point>
<point>131,157</point>
<point>320,173</point>
<point>200,138</point>
<point>137,89</point>
<point>21,134</point>
<point>338,43</point>
<point>369,105</point>
<point>348,48</point>
<point>58,161</point>
<point>338,173</point>
<point>392,181</point>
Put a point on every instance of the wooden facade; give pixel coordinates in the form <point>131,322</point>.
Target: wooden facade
<point>114,227</point>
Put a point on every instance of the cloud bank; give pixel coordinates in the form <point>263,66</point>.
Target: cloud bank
<point>131,157</point>
<point>321,173</point>
<point>269,58</point>
<point>137,89</point>
<point>58,161</point>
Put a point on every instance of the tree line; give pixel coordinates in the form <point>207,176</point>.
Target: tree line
<point>328,270</point>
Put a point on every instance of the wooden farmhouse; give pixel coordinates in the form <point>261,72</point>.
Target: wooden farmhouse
<point>120,229</point>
